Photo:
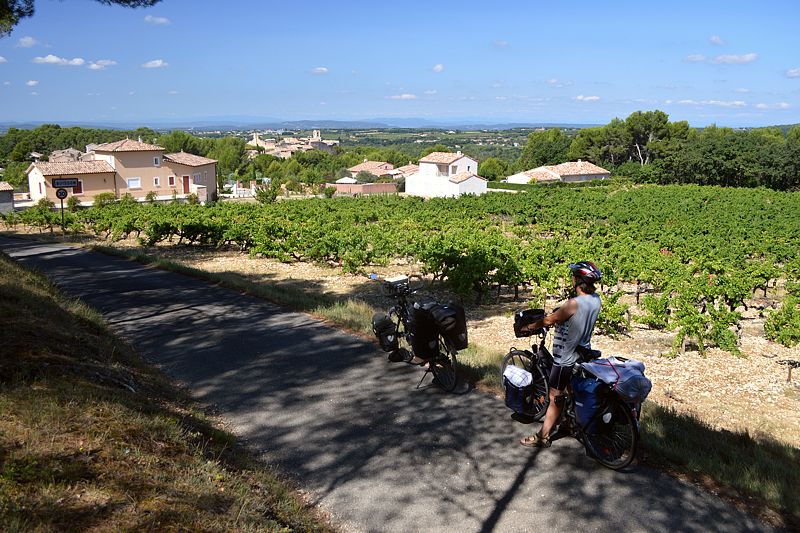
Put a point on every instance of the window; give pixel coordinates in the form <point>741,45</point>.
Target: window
<point>205,176</point>
<point>40,187</point>
<point>454,169</point>
<point>157,181</point>
<point>469,168</point>
<point>79,188</point>
<point>156,161</point>
<point>171,181</point>
<point>134,183</point>
<point>196,178</point>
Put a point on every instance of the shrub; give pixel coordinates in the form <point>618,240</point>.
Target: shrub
<point>192,199</point>
<point>783,326</point>
<point>613,316</point>
<point>73,203</point>
<point>103,199</point>
<point>266,194</point>
<point>151,197</point>
<point>329,192</point>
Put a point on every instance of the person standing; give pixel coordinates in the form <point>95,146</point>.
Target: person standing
<point>574,323</point>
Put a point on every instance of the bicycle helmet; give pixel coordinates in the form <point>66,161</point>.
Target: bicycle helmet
<point>587,271</point>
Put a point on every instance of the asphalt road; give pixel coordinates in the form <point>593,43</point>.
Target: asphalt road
<point>374,451</point>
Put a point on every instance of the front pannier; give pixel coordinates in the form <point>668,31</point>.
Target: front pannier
<point>386,331</point>
<point>452,324</point>
<point>423,334</point>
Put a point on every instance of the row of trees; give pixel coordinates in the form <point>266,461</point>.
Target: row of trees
<point>649,148</point>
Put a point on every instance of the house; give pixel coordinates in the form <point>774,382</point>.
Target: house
<point>288,146</point>
<point>6,197</point>
<point>570,172</point>
<point>362,189</point>
<point>346,180</point>
<point>128,167</point>
<point>378,168</point>
<point>446,174</point>
<point>404,171</point>
<point>65,156</point>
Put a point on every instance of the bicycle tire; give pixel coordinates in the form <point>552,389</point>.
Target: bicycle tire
<point>616,447</point>
<point>443,368</point>
<point>539,397</point>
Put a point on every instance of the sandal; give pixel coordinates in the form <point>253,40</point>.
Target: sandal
<point>536,441</point>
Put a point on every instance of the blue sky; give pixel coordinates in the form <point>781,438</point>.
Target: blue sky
<point>731,63</point>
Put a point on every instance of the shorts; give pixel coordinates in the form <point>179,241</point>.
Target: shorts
<point>560,376</point>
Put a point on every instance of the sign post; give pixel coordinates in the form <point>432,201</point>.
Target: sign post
<point>61,194</point>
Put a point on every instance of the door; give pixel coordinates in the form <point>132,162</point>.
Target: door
<point>186,185</point>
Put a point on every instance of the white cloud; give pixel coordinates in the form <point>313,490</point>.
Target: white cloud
<point>3,59</point>
<point>742,90</point>
<point>318,71</point>
<point>404,96</point>
<point>431,92</point>
<point>582,98</point>
<point>50,59</point>
<point>500,43</point>
<point>157,21</point>
<point>695,58</point>
<point>438,68</point>
<point>155,63</point>
<point>131,93</point>
<point>716,103</point>
<point>32,83</point>
<point>793,73</point>
<point>26,42</point>
<point>557,84</point>
<point>735,59</point>
<point>173,92</point>
<point>101,64</point>
<point>501,97</point>
<point>716,39</point>
<point>6,83</point>
<point>779,105</point>
<point>34,93</point>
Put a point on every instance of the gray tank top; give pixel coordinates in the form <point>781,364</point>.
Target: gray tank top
<point>577,331</point>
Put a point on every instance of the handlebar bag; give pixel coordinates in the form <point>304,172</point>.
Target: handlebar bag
<point>525,317</point>
<point>386,331</point>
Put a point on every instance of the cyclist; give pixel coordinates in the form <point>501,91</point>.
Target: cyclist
<point>574,323</point>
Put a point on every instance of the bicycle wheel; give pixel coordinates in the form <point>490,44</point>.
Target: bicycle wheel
<point>539,396</point>
<point>443,367</point>
<point>613,443</point>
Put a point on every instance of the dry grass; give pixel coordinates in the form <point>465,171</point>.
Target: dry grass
<point>93,438</point>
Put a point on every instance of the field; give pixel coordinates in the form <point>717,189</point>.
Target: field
<point>695,279</point>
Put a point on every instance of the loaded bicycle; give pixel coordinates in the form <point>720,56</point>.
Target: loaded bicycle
<point>419,332</point>
<point>598,412</point>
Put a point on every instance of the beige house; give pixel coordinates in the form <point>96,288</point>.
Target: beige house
<point>128,167</point>
<point>6,197</point>
<point>377,168</point>
<point>570,172</point>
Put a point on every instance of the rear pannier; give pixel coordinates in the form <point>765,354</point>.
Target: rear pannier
<point>452,324</point>
<point>386,331</point>
<point>422,333</point>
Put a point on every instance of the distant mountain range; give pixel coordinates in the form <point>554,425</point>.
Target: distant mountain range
<point>239,123</point>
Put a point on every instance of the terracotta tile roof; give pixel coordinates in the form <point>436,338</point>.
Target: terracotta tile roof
<point>464,176</point>
<point>73,167</point>
<point>190,160</point>
<point>543,174</point>
<point>441,157</point>
<point>408,169</point>
<point>127,145</point>
<point>577,168</point>
<point>370,166</point>
<point>5,186</point>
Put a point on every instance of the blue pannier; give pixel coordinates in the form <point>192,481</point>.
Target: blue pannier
<point>587,402</point>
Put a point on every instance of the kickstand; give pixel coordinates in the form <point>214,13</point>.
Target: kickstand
<point>427,371</point>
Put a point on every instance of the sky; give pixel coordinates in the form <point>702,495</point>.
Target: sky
<point>733,63</point>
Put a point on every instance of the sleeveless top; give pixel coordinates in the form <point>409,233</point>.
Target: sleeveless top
<point>577,331</point>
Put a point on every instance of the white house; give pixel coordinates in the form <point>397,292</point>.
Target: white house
<point>446,174</point>
<point>570,172</point>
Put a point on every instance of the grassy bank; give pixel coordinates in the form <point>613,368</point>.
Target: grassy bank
<point>93,438</point>
<point>758,474</point>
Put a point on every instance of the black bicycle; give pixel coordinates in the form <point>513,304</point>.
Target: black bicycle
<point>422,331</point>
<point>611,433</point>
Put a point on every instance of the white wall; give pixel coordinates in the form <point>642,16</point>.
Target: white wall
<point>34,179</point>
<point>518,178</point>
<point>428,186</point>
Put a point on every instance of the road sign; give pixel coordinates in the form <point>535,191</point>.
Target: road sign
<point>61,194</point>
<point>65,182</point>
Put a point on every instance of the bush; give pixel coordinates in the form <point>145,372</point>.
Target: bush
<point>266,194</point>
<point>151,197</point>
<point>192,199</point>
<point>783,326</point>
<point>613,316</point>
<point>329,192</point>
<point>104,198</point>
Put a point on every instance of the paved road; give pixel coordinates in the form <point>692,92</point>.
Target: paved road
<point>375,452</point>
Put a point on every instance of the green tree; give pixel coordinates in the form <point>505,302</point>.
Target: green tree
<point>493,169</point>
<point>548,147</point>
<point>645,128</point>
<point>12,11</point>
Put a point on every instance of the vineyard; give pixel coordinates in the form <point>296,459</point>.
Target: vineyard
<point>691,255</point>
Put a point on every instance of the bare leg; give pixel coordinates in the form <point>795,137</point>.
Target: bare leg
<point>553,413</point>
